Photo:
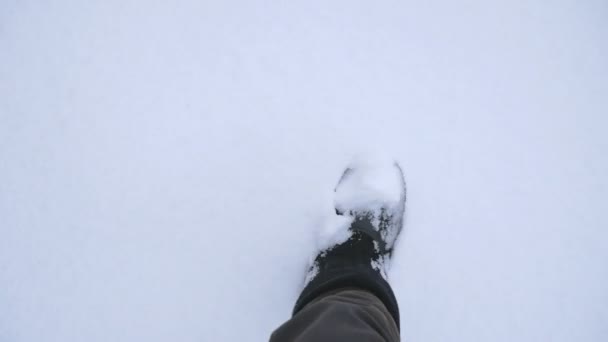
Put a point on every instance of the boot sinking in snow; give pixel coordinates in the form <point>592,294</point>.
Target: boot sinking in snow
<point>370,198</point>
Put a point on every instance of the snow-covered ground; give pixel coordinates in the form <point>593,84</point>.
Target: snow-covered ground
<point>163,164</point>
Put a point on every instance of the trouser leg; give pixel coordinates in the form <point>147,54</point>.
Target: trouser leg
<point>347,314</point>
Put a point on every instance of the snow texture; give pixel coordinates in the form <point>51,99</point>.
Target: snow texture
<point>164,165</point>
<point>333,231</point>
<point>369,184</point>
<point>374,185</point>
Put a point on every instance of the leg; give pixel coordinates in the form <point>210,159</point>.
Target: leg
<point>347,296</point>
<point>347,314</point>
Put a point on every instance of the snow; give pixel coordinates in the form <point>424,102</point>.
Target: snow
<point>163,165</point>
<point>370,184</point>
<point>332,231</point>
<point>381,265</point>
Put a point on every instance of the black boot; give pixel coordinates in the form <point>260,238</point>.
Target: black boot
<point>373,198</point>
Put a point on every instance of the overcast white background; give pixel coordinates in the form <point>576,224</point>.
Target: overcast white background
<point>163,164</point>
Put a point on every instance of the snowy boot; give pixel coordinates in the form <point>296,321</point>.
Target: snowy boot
<point>370,198</point>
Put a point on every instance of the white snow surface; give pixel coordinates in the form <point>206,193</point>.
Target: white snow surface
<point>370,184</point>
<point>331,232</point>
<point>163,165</point>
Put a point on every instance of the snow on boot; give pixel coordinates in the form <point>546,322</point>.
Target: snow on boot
<point>370,200</point>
